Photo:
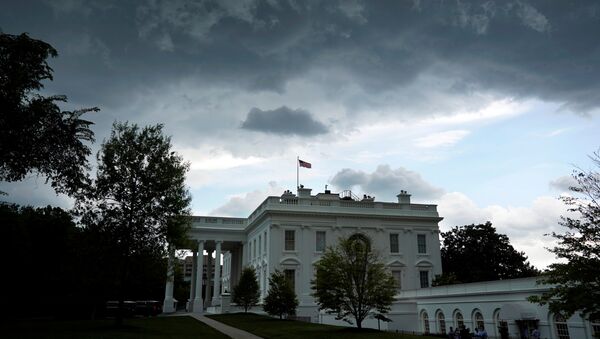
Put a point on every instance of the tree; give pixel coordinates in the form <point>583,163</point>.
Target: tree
<point>138,202</point>
<point>246,293</point>
<point>281,299</point>
<point>35,134</point>
<point>474,253</point>
<point>352,282</point>
<point>37,253</point>
<point>576,280</point>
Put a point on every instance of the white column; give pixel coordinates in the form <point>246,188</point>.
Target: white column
<point>169,302</point>
<point>198,306</point>
<point>208,292</point>
<point>190,303</point>
<point>217,283</point>
<point>244,255</point>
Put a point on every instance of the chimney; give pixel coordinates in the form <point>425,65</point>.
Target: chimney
<point>403,197</point>
<point>304,192</point>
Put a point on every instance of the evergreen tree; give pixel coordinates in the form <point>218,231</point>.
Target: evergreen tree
<point>281,299</point>
<point>246,293</point>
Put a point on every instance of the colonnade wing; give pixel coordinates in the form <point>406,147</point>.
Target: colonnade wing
<point>219,240</point>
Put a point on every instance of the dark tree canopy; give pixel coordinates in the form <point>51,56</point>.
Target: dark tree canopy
<point>138,202</point>
<point>474,253</point>
<point>36,136</point>
<point>352,282</point>
<point>577,281</point>
<point>281,299</point>
<point>246,293</point>
<point>69,267</point>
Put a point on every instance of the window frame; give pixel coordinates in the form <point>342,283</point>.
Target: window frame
<point>290,273</point>
<point>478,320</point>
<point>441,322</point>
<point>397,244</point>
<point>324,241</point>
<point>293,240</point>
<point>425,322</point>
<point>561,327</point>
<point>426,272</point>
<point>422,245</point>
<point>459,319</point>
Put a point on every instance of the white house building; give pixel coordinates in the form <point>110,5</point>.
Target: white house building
<point>291,231</point>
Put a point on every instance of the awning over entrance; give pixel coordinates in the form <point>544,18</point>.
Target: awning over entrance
<point>518,311</point>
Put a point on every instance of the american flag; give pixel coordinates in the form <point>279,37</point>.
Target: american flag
<point>304,164</point>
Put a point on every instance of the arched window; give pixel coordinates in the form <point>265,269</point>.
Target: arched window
<point>478,320</point>
<point>562,329</point>
<point>458,319</point>
<point>425,321</point>
<point>497,322</point>
<point>441,322</point>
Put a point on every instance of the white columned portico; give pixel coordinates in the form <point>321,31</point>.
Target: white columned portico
<point>216,300</point>
<point>169,302</point>
<point>198,306</point>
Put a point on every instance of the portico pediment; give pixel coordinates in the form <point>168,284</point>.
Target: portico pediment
<point>395,263</point>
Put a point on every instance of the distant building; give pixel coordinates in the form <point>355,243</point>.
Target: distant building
<point>291,231</point>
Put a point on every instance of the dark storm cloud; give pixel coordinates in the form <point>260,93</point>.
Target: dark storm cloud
<point>386,182</point>
<point>113,50</point>
<point>284,121</point>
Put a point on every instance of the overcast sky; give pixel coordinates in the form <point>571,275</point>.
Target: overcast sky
<point>481,107</point>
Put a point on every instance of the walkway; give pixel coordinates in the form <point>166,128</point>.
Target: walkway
<point>233,332</point>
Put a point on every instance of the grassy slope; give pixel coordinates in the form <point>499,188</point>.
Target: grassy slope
<point>161,327</point>
<point>271,328</point>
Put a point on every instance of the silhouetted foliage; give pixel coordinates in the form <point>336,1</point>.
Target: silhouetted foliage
<point>36,259</point>
<point>138,201</point>
<point>351,281</point>
<point>246,293</point>
<point>56,269</point>
<point>35,134</point>
<point>577,281</point>
<point>281,299</point>
<point>477,253</point>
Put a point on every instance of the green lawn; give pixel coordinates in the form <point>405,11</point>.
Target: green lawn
<point>270,328</point>
<point>160,327</point>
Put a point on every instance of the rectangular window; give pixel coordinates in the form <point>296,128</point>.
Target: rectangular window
<point>265,244</point>
<point>424,278</point>
<point>398,279</point>
<point>254,248</point>
<point>259,245</point>
<point>290,276</point>
<point>320,247</point>
<point>421,243</point>
<point>290,240</point>
<point>394,246</point>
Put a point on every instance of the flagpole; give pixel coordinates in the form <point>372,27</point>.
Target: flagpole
<point>297,173</point>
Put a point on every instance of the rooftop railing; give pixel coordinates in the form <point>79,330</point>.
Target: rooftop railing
<point>219,220</point>
<point>298,203</point>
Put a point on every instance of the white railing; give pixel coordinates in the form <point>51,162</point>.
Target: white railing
<point>293,202</point>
